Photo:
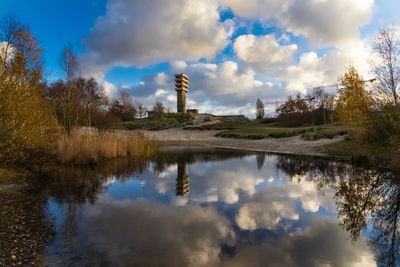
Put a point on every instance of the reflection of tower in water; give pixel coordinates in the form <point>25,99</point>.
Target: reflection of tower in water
<point>182,180</point>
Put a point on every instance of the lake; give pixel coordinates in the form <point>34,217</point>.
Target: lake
<point>222,208</point>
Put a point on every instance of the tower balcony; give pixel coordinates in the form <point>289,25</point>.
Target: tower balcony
<point>182,85</point>
<point>181,76</point>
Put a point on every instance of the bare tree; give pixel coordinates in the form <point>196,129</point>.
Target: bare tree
<point>260,112</point>
<point>387,67</point>
<point>92,96</point>
<point>159,109</point>
<point>141,110</point>
<point>129,108</point>
<point>69,64</point>
<point>329,105</point>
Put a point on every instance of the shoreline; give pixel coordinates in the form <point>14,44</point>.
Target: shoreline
<point>181,139</point>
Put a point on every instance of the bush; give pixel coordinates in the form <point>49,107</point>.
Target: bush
<point>382,127</point>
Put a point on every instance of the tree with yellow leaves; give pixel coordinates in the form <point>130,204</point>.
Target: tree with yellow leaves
<point>354,101</point>
<point>23,111</point>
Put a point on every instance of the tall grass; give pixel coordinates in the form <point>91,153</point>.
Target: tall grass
<point>89,146</point>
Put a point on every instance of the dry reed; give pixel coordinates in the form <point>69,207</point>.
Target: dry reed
<point>89,146</point>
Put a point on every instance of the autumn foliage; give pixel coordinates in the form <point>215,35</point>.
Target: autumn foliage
<point>354,101</point>
<point>24,114</point>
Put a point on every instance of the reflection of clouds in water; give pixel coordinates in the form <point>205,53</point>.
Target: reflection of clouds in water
<point>224,186</point>
<point>264,215</point>
<point>228,180</point>
<point>163,183</point>
<point>269,206</point>
<point>223,181</point>
<point>179,201</point>
<point>168,171</point>
<point>323,243</point>
<point>144,233</point>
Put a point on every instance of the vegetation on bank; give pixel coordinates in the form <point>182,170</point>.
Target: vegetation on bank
<point>90,146</point>
<point>31,108</point>
<point>365,153</point>
<point>159,122</point>
<point>306,132</point>
<point>225,124</point>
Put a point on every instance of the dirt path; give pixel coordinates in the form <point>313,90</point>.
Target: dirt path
<point>292,145</point>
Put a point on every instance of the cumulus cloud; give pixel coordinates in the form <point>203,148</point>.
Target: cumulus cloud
<point>328,22</point>
<point>323,22</point>
<point>260,9</point>
<point>315,70</point>
<point>146,32</point>
<point>263,53</point>
<point>270,59</point>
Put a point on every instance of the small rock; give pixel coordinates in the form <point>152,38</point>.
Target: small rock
<point>13,257</point>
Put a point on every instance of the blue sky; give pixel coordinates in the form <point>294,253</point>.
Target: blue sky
<point>233,52</point>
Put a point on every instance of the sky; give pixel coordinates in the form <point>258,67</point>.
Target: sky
<point>234,51</point>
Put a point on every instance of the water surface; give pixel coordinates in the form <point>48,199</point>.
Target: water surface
<point>223,208</point>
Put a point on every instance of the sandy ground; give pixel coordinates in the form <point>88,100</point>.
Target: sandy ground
<point>292,145</point>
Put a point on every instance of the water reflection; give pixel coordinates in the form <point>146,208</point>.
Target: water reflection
<point>372,198</point>
<point>241,209</point>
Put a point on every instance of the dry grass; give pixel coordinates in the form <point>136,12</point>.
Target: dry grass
<point>89,146</point>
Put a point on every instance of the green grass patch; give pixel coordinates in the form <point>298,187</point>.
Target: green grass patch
<point>167,121</point>
<point>326,132</point>
<point>254,130</point>
<point>261,133</point>
<point>227,124</point>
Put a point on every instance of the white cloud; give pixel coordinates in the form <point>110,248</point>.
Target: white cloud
<point>147,32</point>
<point>263,53</point>
<point>178,66</point>
<point>262,9</point>
<point>323,22</point>
<point>313,70</point>
<point>328,22</point>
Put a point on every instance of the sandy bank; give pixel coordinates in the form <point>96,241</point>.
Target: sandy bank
<point>292,145</point>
